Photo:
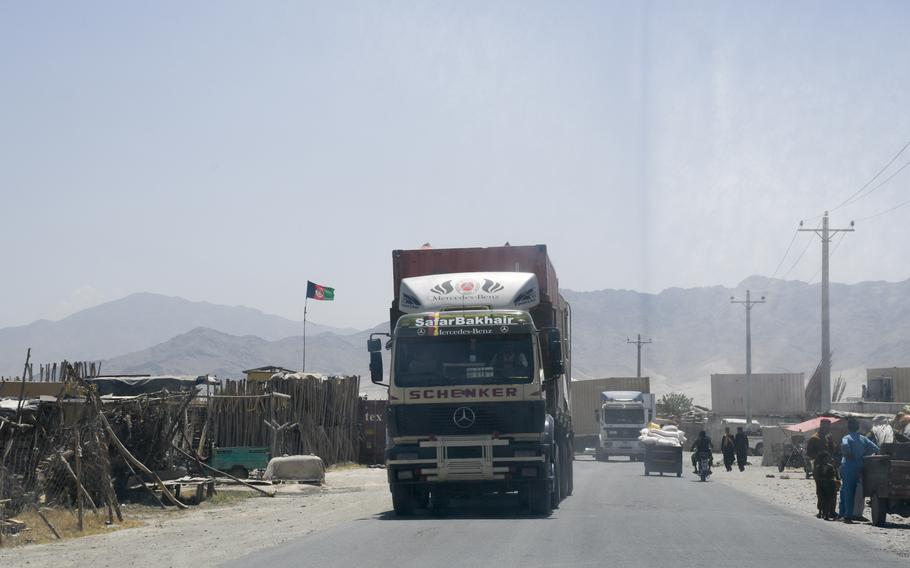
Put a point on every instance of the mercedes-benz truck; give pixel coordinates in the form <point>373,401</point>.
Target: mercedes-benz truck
<point>480,358</point>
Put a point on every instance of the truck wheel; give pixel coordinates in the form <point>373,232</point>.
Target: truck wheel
<point>539,498</point>
<point>403,500</point>
<point>879,510</point>
<point>556,487</point>
<point>564,469</point>
<point>439,500</point>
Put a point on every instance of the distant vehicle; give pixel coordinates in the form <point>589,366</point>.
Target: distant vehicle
<point>754,432</point>
<point>622,415</point>
<point>479,378</point>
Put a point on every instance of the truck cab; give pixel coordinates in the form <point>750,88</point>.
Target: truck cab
<point>622,415</point>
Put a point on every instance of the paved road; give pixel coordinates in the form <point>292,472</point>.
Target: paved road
<point>617,517</point>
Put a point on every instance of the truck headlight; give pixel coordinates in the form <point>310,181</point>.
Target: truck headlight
<point>407,456</point>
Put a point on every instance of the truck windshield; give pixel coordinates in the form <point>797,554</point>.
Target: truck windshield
<point>439,361</point>
<point>623,416</point>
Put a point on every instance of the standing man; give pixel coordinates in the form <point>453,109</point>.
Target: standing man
<point>741,448</point>
<point>820,442</point>
<point>727,444</point>
<point>854,448</point>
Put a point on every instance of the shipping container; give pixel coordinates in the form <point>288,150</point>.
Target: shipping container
<point>372,431</point>
<point>891,384</point>
<point>776,394</point>
<point>425,262</point>
<point>586,399</point>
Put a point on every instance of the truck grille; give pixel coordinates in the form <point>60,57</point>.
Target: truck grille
<point>438,419</point>
<point>622,433</point>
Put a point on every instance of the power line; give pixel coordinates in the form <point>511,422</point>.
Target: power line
<point>889,178</point>
<point>889,210</point>
<point>786,252</point>
<point>799,258</point>
<point>875,177</point>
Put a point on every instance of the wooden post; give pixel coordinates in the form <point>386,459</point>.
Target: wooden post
<point>139,465</point>
<point>80,502</point>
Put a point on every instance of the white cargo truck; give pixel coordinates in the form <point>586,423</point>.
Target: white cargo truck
<point>622,415</point>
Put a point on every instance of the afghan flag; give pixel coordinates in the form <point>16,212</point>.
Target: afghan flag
<point>318,292</point>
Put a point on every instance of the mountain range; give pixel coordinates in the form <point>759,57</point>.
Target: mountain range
<point>695,332</point>
<point>134,323</point>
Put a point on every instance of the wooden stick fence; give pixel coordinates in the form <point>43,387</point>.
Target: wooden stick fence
<point>324,409</point>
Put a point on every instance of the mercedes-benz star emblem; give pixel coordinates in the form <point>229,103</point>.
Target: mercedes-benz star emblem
<point>463,417</point>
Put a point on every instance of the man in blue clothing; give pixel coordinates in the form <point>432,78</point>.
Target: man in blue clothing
<point>854,447</point>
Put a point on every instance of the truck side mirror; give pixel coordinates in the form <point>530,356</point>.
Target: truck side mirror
<point>555,363</point>
<point>374,345</point>
<point>376,366</point>
<point>597,414</point>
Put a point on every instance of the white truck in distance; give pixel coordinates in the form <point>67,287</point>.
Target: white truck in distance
<point>622,415</point>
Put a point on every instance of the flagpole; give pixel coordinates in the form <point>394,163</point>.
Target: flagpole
<point>303,368</point>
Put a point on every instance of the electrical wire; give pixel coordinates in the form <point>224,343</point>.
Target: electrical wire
<point>889,178</point>
<point>875,177</point>
<point>889,210</point>
<point>786,252</point>
<point>799,258</point>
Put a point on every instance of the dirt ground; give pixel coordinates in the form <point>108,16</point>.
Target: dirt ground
<point>216,532</point>
<point>792,490</point>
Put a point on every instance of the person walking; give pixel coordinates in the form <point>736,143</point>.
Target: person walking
<point>741,448</point>
<point>854,448</point>
<point>727,444</point>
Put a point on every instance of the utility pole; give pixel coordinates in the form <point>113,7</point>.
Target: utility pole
<point>639,343</point>
<point>748,303</point>
<point>826,235</point>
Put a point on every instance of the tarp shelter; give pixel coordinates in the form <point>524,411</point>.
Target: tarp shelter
<point>133,386</point>
<point>811,425</point>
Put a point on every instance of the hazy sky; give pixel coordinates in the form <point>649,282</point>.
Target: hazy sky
<point>229,151</point>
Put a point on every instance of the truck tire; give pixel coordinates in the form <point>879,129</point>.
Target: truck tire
<point>571,475</point>
<point>403,500</point>
<point>439,500</point>
<point>539,500</point>
<point>556,486</point>
<point>564,471</point>
<point>879,510</point>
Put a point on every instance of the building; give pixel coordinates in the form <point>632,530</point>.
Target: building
<point>890,384</point>
<point>773,394</point>
<point>264,373</point>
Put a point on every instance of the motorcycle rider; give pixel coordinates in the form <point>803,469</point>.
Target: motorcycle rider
<point>702,445</point>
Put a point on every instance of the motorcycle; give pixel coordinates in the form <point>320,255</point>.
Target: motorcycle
<point>796,456</point>
<point>704,465</point>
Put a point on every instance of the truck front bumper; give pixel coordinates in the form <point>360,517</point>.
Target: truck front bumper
<point>472,460</point>
<point>631,448</point>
